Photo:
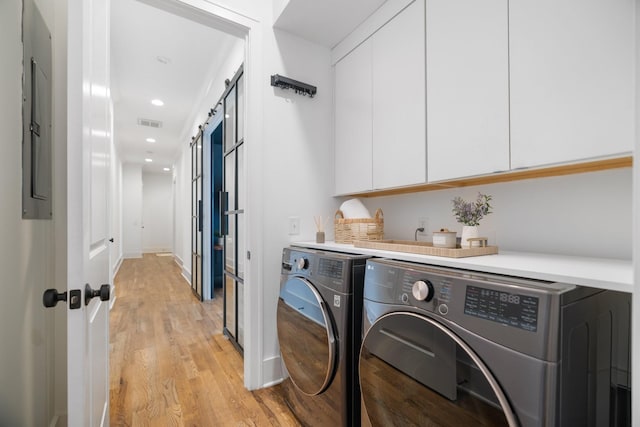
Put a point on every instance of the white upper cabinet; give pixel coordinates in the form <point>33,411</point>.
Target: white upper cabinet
<point>353,115</point>
<point>572,92</point>
<point>380,136</point>
<point>467,87</point>
<point>399,134</point>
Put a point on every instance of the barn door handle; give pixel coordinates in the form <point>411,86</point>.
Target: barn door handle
<point>104,293</point>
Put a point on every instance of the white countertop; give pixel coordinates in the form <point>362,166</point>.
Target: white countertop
<point>603,273</point>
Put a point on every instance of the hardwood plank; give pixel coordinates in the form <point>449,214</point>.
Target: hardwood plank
<point>170,365</point>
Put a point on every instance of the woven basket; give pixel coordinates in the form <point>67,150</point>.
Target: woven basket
<point>349,229</point>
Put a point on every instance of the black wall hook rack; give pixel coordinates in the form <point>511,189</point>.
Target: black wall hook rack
<point>287,83</point>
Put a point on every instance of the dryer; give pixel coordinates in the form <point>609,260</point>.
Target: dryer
<point>319,320</point>
<point>446,347</point>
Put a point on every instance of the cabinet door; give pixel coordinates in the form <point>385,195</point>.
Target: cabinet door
<point>572,89</point>
<point>399,135</point>
<point>353,121</point>
<point>467,88</point>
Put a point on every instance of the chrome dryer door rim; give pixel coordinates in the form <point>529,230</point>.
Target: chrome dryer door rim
<point>378,330</point>
<point>306,334</point>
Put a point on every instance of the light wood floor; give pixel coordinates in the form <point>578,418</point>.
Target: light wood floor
<point>170,364</point>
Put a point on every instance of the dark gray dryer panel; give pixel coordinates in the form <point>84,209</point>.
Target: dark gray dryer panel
<point>36,115</point>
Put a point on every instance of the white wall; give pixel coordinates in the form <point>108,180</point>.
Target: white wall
<point>59,396</point>
<point>131,210</point>
<point>116,210</point>
<point>583,215</point>
<point>298,165</point>
<point>157,212</point>
<point>27,247</point>
<point>213,88</point>
<point>278,8</point>
<point>182,221</point>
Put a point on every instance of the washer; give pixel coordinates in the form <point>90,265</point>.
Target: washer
<point>319,319</point>
<point>446,347</point>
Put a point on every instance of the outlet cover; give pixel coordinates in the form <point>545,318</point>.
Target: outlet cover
<point>423,222</point>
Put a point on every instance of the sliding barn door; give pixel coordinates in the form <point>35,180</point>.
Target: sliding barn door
<point>233,204</point>
<point>196,215</point>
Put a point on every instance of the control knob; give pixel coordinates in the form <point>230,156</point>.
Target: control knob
<point>423,290</point>
<point>302,263</point>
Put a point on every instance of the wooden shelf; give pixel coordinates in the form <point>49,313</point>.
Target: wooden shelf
<point>514,175</point>
<point>425,248</point>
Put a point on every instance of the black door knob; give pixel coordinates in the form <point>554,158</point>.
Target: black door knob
<point>104,293</point>
<point>51,297</point>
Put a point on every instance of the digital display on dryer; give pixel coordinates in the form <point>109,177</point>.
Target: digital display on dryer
<point>330,268</point>
<point>519,311</point>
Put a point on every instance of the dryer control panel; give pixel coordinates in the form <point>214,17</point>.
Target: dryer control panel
<point>429,291</point>
<point>480,302</point>
<point>519,311</point>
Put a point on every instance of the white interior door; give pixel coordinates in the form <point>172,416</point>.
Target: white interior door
<point>88,157</point>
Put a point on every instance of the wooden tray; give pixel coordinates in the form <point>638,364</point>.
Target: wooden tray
<point>425,248</point>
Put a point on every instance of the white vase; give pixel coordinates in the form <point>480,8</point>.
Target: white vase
<point>469,231</point>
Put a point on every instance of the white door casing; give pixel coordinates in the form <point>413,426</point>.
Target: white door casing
<point>238,23</point>
<point>88,164</point>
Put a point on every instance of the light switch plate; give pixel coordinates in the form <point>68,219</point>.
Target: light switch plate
<point>294,225</point>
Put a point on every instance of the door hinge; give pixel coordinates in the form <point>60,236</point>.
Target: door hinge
<point>248,254</point>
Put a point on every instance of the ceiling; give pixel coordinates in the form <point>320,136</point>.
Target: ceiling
<point>158,55</point>
<point>325,22</point>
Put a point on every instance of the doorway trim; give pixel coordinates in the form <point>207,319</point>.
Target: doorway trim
<point>241,25</point>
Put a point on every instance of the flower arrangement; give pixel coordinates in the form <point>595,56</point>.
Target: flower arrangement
<point>470,213</point>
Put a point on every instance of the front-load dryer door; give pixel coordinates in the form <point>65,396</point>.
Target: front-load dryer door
<point>306,335</point>
<point>416,372</point>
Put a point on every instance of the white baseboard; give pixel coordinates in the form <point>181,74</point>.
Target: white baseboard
<point>272,372</point>
<point>105,414</point>
<point>186,274</point>
<point>130,255</point>
<point>116,267</point>
<point>178,260</point>
<point>155,250</point>
<point>272,383</point>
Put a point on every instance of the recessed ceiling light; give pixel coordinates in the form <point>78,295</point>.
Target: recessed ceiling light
<point>148,160</point>
<point>166,169</point>
<point>157,102</point>
<point>151,140</point>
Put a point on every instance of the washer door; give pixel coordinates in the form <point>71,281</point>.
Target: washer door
<point>306,335</point>
<point>415,371</point>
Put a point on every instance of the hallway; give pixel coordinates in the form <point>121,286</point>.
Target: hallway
<point>170,365</point>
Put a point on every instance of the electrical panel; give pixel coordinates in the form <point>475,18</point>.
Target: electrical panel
<point>37,150</point>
